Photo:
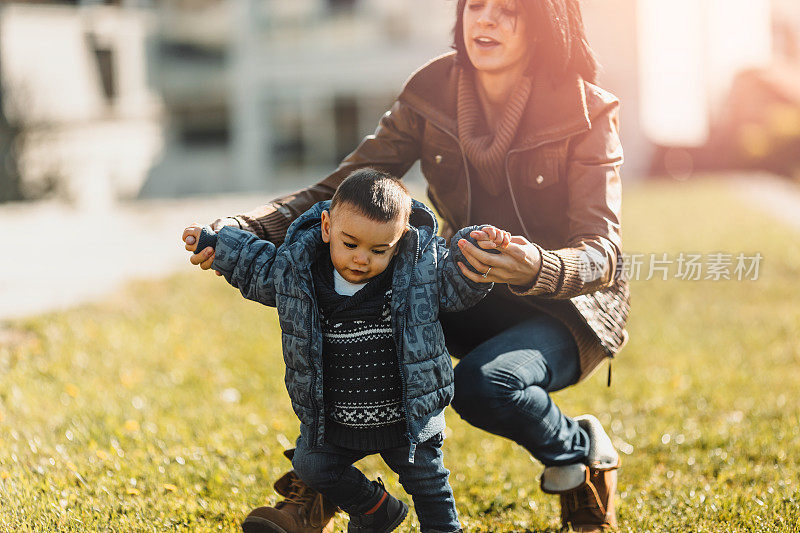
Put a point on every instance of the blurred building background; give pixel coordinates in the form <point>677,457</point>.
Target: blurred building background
<point>261,92</point>
<point>79,117</point>
<point>105,100</point>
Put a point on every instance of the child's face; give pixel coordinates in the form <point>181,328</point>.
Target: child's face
<point>361,248</point>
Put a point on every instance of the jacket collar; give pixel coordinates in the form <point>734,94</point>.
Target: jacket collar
<point>553,111</point>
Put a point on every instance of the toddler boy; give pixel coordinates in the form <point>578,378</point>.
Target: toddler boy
<point>358,284</point>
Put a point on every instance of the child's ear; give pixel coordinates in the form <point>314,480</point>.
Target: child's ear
<point>326,226</point>
<point>400,242</point>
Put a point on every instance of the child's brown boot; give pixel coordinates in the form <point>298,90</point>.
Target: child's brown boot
<point>303,510</point>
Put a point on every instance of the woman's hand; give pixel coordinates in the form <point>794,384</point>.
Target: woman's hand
<point>517,263</point>
<point>205,258</point>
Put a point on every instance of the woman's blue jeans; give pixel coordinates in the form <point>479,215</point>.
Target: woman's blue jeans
<point>512,358</point>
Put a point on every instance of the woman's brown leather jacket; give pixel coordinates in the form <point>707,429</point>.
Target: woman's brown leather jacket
<point>563,174</point>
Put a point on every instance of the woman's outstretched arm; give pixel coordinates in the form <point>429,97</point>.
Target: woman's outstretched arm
<point>393,148</point>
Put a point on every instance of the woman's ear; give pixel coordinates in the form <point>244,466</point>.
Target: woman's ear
<point>326,226</point>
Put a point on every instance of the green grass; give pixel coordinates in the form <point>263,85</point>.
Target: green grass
<point>164,408</point>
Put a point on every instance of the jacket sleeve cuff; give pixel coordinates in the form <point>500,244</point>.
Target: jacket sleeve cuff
<point>208,237</point>
<point>458,256</point>
<point>229,243</point>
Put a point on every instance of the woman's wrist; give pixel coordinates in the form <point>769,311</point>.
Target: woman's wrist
<point>533,260</point>
<point>536,262</point>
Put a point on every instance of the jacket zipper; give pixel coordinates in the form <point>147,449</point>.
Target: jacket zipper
<point>398,340</point>
<point>466,174</point>
<point>311,360</point>
<point>508,175</point>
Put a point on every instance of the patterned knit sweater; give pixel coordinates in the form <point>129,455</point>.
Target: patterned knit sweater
<point>361,379</point>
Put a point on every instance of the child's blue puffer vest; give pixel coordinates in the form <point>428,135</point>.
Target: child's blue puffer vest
<point>426,280</point>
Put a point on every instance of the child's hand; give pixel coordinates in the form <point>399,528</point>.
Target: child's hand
<point>191,235</point>
<point>204,257</point>
<point>489,237</point>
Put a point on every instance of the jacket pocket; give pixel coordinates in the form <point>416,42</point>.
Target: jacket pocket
<point>440,160</point>
<point>538,169</point>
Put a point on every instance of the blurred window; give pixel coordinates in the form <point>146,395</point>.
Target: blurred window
<point>191,52</point>
<point>342,5</point>
<point>203,128</point>
<point>104,57</point>
<point>204,135</point>
<point>68,2</point>
<point>288,145</point>
<point>345,113</point>
<point>72,2</point>
<point>105,64</point>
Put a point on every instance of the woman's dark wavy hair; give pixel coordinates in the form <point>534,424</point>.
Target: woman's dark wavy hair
<point>561,48</point>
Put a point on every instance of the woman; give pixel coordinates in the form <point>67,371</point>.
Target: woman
<point>510,132</point>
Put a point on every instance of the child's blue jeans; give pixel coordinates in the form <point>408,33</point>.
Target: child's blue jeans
<point>329,470</point>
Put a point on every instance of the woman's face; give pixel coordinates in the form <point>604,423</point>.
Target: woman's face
<point>495,35</point>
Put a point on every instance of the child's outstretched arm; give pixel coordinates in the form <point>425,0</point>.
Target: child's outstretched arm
<point>456,291</point>
<point>245,261</point>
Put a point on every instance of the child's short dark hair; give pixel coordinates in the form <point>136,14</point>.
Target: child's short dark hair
<point>377,195</point>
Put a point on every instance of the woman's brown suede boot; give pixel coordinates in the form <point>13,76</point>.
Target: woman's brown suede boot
<point>587,492</point>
